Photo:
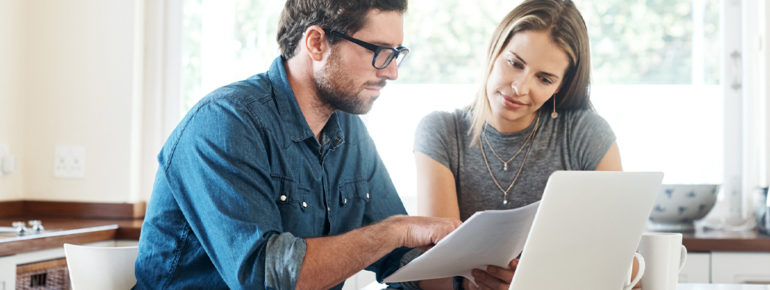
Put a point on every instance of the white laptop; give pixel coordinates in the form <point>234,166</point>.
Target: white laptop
<point>586,230</point>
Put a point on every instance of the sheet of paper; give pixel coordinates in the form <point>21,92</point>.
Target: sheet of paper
<point>492,237</point>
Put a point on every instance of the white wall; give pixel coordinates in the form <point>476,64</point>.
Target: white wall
<point>12,40</point>
<point>80,61</point>
<point>67,77</point>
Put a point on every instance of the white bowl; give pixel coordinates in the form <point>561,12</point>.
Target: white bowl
<point>679,205</point>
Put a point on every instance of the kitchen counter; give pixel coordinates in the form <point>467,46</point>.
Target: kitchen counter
<point>68,222</point>
<point>68,230</point>
<point>128,228</point>
<point>727,241</point>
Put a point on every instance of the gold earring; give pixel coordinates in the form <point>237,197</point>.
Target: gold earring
<point>554,114</point>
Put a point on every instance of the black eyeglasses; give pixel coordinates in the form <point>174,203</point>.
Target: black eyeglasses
<point>383,55</point>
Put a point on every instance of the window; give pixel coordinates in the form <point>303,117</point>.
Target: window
<point>225,41</point>
<point>656,74</point>
<point>656,80</point>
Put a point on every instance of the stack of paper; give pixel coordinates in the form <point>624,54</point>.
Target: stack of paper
<point>492,237</point>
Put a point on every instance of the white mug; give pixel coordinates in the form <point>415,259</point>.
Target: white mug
<point>665,257</point>
<point>639,273</point>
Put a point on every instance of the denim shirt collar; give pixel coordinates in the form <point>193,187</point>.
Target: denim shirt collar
<point>291,115</point>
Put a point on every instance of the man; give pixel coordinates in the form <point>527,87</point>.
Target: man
<point>271,182</point>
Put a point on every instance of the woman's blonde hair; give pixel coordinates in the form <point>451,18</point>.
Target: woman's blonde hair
<point>568,30</point>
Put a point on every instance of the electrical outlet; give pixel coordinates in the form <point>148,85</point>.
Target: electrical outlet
<point>8,165</point>
<point>69,161</point>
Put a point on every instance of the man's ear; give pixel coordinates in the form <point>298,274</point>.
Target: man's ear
<point>315,42</point>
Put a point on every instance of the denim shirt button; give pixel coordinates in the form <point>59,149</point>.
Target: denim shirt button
<point>345,200</point>
<point>304,204</point>
<point>328,208</point>
<point>283,197</point>
<point>367,195</point>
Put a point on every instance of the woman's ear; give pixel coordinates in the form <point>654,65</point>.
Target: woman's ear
<point>315,42</point>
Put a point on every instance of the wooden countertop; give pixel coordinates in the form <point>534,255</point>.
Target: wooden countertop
<point>728,241</point>
<point>69,222</point>
<point>68,230</point>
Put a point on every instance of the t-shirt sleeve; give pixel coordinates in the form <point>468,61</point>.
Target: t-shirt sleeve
<point>435,137</point>
<point>591,137</point>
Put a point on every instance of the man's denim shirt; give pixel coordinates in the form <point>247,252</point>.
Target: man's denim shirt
<point>242,180</point>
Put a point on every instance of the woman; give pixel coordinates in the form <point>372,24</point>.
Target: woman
<point>533,116</point>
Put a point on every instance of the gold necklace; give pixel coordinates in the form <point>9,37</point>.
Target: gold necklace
<point>530,140</point>
<point>505,163</point>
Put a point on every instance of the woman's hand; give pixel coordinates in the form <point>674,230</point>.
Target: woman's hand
<point>494,277</point>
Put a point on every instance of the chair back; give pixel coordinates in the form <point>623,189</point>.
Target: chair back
<point>100,267</point>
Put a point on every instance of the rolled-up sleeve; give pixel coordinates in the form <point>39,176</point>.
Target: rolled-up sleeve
<point>283,260</point>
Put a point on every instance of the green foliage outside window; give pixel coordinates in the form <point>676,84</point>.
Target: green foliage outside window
<point>632,42</point>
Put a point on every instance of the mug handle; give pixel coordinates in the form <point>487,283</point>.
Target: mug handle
<point>639,273</point>
<point>682,258</point>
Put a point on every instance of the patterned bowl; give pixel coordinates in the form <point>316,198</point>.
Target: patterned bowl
<point>678,205</point>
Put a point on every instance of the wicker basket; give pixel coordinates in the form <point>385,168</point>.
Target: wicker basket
<point>46,275</point>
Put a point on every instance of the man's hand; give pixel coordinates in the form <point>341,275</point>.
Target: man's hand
<point>494,277</point>
<point>422,232</point>
<point>323,266</point>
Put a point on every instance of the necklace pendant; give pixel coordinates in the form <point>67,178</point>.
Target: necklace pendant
<point>505,202</point>
<point>505,166</point>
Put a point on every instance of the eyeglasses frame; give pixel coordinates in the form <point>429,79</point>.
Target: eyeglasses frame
<point>374,48</point>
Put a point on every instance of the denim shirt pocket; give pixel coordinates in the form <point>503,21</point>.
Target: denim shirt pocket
<point>296,207</point>
<point>354,197</point>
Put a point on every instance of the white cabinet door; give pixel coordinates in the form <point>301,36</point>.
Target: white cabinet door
<point>697,268</point>
<point>740,267</point>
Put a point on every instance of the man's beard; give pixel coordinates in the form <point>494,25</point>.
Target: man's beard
<point>338,91</point>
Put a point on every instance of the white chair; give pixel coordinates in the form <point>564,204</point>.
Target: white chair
<point>100,267</point>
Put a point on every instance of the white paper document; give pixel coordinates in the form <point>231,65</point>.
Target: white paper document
<point>491,237</point>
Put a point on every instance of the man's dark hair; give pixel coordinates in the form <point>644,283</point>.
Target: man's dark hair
<point>345,16</point>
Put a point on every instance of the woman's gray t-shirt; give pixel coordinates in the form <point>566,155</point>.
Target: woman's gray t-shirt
<point>576,140</point>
